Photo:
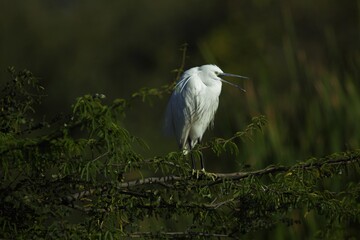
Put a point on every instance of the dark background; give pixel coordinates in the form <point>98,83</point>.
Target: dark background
<point>303,58</point>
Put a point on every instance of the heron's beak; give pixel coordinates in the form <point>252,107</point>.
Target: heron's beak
<point>231,75</point>
<point>232,84</point>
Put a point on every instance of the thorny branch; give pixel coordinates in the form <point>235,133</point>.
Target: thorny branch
<point>240,175</point>
<point>219,177</point>
<point>186,234</point>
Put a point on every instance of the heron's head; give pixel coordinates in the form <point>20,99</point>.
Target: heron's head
<point>211,72</point>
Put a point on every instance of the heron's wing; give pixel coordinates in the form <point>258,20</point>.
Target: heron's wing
<point>181,107</point>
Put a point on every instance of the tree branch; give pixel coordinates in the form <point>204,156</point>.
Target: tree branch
<point>219,177</point>
<point>150,180</point>
<point>345,160</point>
<point>185,234</point>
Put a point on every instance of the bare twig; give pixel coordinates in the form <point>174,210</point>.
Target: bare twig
<point>180,70</point>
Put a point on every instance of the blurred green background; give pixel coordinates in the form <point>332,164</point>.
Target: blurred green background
<point>303,58</point>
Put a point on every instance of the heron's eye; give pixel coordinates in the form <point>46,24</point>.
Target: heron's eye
<point>217,73</point>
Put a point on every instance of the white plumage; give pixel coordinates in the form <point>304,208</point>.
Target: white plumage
<point>193,104</point>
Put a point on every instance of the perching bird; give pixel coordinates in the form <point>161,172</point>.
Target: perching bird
<point>192,105</point>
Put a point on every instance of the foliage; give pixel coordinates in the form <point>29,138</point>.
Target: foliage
<point>79,176</point>
<point>302,58</point>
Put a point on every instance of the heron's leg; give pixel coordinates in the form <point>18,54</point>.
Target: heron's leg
<point>193,161</point>
<point>213,176</point>
<point>191,155</point>
<point>202,163</point>
<point>194,171</point>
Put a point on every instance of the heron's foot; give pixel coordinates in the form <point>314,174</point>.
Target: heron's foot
<point>198,174</point>
<point>195,173</point>
<point>213,176</point>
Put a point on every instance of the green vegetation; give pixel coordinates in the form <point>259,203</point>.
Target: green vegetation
<point>79,176</point>
<point>294,135</point>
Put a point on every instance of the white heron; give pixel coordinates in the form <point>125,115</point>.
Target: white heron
<point>192,105</point>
